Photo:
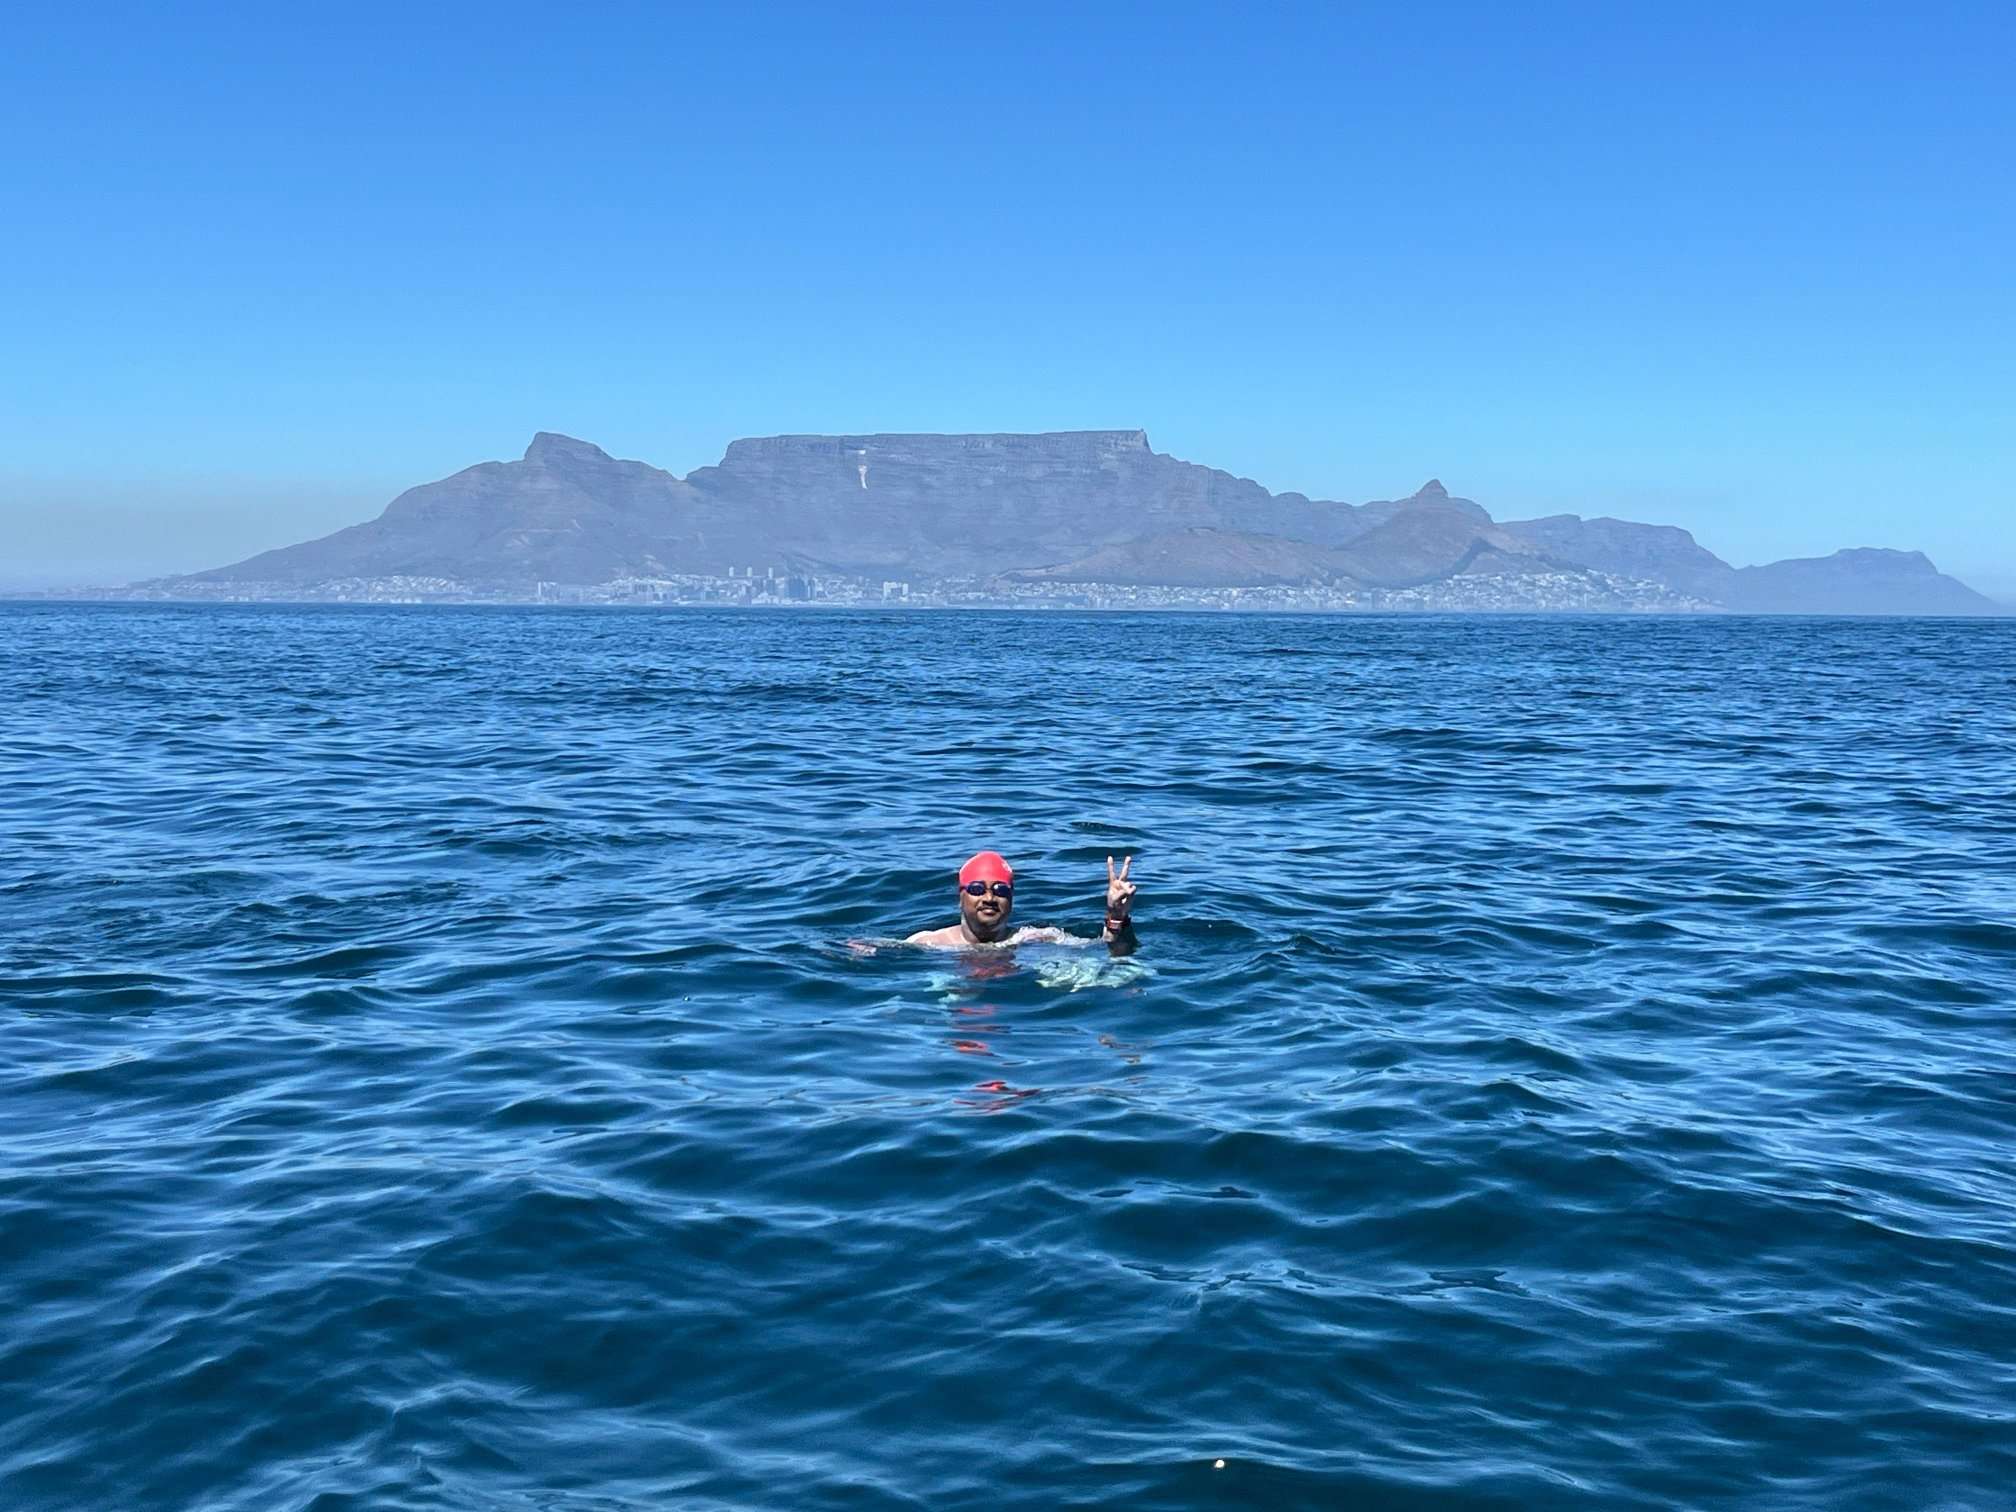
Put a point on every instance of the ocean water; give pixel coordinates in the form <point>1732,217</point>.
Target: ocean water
<point>1568,1063</point>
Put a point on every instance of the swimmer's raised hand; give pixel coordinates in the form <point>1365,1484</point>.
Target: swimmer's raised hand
<point>1119,895</point>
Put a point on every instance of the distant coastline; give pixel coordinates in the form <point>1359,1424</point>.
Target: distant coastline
<point>925,605</point>
<point>1059,520</point>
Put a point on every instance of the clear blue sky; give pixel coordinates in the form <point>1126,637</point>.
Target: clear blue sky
<point>1745,268</point>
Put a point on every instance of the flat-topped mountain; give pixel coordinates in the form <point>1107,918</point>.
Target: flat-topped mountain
<point>912,506</point>
<point>1904,582</point>
<point>1063,507</point>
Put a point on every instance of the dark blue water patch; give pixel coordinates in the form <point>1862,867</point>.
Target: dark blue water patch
<point>1566,1064</point>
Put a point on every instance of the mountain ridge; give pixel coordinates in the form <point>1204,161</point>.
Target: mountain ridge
<point>1028,508</point>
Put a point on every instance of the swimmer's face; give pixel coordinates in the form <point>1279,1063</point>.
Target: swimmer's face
<point>988,912</point>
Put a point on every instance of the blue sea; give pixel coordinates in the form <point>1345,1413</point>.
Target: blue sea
<point>1568,1062</point>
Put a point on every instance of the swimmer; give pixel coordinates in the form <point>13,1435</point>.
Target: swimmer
<point>987,899</point>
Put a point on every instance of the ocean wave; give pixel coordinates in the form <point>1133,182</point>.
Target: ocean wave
<point>470,1060</point>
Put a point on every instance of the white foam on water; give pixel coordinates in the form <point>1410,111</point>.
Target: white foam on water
<point>1075,973</point>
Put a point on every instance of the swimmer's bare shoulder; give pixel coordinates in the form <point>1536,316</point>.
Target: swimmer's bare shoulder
<point>954,938</point>
<point>939,939</point>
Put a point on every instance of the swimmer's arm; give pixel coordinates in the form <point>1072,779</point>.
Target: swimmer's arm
<point>1118,933</point>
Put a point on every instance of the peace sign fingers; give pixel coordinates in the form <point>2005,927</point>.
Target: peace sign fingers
<point>1119,891</point>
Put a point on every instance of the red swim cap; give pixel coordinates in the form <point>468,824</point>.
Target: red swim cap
<point>987,867</point>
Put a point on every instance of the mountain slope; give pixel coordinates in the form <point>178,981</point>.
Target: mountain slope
<point>1198,557</point>
<point>1424,539</point>
<point>1433,539</point>
<point>568,512</point>
<point>1661,553</point>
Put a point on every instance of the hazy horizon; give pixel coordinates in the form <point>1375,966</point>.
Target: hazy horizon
<point>1744,273</point>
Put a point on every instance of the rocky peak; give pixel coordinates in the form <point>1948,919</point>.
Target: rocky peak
<point>550,446</point>
<point>1431,492</point>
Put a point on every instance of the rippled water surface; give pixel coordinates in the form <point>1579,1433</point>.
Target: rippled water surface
<point>1567,1064</point>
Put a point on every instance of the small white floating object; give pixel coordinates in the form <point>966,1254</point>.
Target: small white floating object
<point>1217,1464</point>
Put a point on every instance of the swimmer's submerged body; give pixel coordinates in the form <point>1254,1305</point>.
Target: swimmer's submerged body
<point>987,906</point>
